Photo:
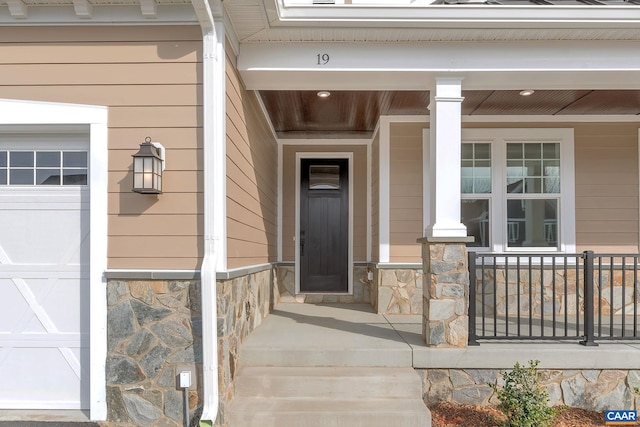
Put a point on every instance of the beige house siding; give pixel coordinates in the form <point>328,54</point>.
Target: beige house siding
<point>252,184</point>
<point>606,177</point>
<point>149,78</point>
<point>607,187</point>
<point>375,198</point>
<point>405,211</point>
<point>359,196</point>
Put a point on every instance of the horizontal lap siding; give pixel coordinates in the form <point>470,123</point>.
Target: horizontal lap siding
<point>405,211</point>
<point>150,79</point>
<point>607,187</point>
<point>251,177</point>
<point>606,183</point>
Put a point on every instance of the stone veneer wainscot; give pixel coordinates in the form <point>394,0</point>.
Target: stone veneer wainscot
<point>153,327</point>
<point>592,389</point>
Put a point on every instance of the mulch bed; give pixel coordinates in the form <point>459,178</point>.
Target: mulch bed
<point>446,414</point>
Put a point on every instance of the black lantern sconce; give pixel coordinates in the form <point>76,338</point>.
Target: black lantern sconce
<point>148,164</point>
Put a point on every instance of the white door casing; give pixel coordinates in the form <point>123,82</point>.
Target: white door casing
<point>32,272</point>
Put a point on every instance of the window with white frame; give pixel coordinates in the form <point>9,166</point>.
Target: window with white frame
<point>517,189</point>
<point>43,167</point>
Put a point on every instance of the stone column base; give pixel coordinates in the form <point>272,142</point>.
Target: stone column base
<point>445,320</point>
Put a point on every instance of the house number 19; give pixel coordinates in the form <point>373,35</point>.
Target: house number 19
<point>323,58</point>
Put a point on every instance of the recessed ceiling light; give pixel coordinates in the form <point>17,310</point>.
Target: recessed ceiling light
<point>324,94</point>
<point>527,92</point>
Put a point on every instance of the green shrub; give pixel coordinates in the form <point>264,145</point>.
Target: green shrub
<point>522,398</point>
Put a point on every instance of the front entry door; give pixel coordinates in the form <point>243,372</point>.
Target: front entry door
<point>324,225</point>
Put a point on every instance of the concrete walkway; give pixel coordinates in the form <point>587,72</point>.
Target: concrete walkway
<point>353,335</point>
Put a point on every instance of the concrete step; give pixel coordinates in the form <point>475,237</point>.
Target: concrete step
<point>280,412</point>
<point>399,356</point>
<point>47,424</point>
<point>328,383</point>
<point>328,397</point>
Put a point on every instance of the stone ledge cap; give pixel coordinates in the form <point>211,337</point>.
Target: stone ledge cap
<point>431,239</point>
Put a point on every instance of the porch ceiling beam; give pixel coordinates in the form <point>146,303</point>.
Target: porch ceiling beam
<point>503,65</point>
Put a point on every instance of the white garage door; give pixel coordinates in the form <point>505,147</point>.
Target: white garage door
<point>44,274</point>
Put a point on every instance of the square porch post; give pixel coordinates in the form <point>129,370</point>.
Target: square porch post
<point>445,320</point>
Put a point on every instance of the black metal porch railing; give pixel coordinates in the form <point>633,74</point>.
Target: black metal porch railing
<point>584,297</point>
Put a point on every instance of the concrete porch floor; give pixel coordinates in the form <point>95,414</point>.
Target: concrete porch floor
<point>353,335</point>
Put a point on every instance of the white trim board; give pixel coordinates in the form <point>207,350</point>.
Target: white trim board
<point>384,189</point>
<point>322,155</point>
<point>566,64</point>
<point>94,120</point>
<point>323,141</point>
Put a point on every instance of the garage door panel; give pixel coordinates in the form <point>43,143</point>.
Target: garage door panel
<point>44,309</point>
<point>50,237</point>
<point>35,379</point>
<point>12,306</point>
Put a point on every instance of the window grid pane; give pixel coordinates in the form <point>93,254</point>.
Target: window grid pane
<point>533,168</point>
<point>476,168</point>
<point>532,223</point>
<point>475,216</point>
<point>43,168</point>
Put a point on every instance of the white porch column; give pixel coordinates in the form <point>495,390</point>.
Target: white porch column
<point>444,159</point>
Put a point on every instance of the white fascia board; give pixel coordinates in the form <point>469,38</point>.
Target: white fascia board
<point>104,15</point>
<point>463,16</point>
<point>483,65</point>
<point>18,112</point>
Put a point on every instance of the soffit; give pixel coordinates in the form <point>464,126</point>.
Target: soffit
<point>257,21</point>
<point>356,113</point>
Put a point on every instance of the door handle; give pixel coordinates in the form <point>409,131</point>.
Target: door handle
<point>302,233</point>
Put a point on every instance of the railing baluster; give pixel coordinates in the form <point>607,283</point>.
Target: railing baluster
<point>553,294</point>
<point>588,300</point>
<point>530,300</point>
<point>599,296</point>
<point>624,290</point>
<point>519,314</point>
<point>473,340</point>
<point>495,298</point>
<point>566,298</point>
<point>484,333</point>
<point>542,296</point>
<point>611,284</point>
<point>578,258</point>
<point>506,292</point>
<point>635,296</point>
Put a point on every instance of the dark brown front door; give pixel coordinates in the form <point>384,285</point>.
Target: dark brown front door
<point>324,225</point>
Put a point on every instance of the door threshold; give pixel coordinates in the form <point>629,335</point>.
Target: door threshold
<point>324,293</point>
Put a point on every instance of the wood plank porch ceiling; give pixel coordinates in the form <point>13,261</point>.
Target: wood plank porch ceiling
<point>355,113</point>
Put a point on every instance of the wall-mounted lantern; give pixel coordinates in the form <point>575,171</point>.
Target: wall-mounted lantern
<point>148,164</point>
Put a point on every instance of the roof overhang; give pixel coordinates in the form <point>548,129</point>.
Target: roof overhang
<point>413,66</point>
<point>421,13</point>
<point>96,12</point>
